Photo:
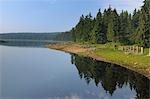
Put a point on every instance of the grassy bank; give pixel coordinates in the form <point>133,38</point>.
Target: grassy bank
<point>105,52</point>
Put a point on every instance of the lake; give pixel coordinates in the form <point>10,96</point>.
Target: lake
<point>36,72</point>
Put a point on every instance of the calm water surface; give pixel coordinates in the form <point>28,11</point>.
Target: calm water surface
<point>42,73</point>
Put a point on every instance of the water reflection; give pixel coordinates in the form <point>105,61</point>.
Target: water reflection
<point>112,77</point>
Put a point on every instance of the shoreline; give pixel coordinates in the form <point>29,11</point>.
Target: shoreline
<point>83,50</point>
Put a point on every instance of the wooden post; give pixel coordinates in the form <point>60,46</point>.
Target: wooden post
<point>137,50</point>
<point>142,51</point>
<point>131,49</point>
<point>134,49</point>
<point>126,48</point>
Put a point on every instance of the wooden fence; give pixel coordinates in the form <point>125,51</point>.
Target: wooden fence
<point>131,49</point>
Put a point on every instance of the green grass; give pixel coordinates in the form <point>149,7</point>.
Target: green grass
<point>137,61</point>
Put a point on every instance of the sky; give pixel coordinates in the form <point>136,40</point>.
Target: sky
<point>53,15</point>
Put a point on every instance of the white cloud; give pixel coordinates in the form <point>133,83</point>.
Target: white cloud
<point>73,97</point>
<point>128,5</point>
<point>66,97</point>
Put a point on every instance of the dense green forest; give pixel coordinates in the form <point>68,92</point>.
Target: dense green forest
<point>64,36</point>
<point>29,36</point>
<point>111,26</point>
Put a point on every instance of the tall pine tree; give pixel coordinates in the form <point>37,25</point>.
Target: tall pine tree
<point>98,35</point>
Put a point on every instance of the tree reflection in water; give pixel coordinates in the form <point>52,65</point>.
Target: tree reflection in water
<point>111,76</point>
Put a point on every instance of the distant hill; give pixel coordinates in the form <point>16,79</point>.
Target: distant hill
<point>29,36</point>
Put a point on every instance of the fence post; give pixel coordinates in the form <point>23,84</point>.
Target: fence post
<point>141,50</point>
<point>132,49</point>
<point>137,49</point>
<point>129,49</point>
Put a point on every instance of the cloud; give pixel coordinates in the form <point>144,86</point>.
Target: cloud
<point>72,97</point>
<point>66,97</point>
<point>128,5</point>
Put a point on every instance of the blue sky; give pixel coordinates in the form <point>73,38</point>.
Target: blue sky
<point>53,15</point>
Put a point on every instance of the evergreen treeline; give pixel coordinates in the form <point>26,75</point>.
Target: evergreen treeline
<point>111,26</point>
<point>64,36</point>
<point>29,36</point>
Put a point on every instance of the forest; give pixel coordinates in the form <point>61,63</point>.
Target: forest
<point>29,36</point>
<point>110,26</point>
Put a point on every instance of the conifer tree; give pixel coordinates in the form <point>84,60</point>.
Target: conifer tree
<point>139,38</point>
<point>98,36</point>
